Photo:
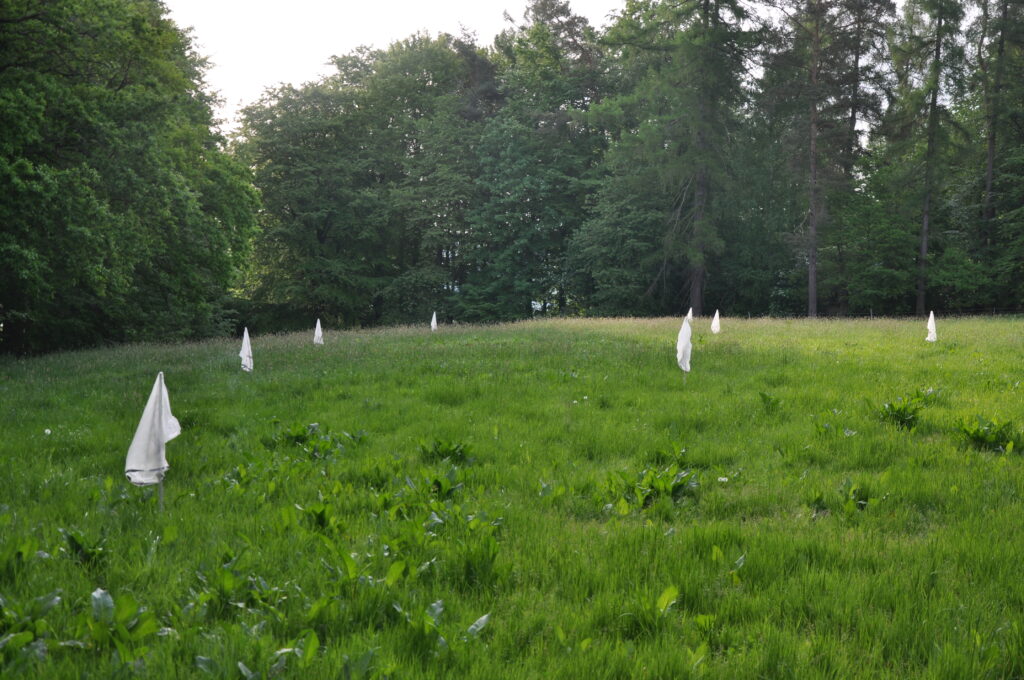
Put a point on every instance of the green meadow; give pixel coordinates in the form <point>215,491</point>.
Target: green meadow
<point>551,499</point>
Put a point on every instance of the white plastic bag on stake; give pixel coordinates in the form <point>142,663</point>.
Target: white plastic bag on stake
<point>932,337</point>
<point>716,325</point>
<point>433,322</point>
<point>318,334</point>
<point>147,457</point>
<point>684,347</point>
<point>246,351</point>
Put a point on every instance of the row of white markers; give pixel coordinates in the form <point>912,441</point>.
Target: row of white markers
<point>318,339</point>
<point>147,456</point>
<point>684,347</point>
<point>147,459</point>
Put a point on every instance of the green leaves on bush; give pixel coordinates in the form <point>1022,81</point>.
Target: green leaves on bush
<point>770,403</point>
<point>85,552</point>
<point>119,622</point>
<point>316,442</point>
<point>903,411</point>
<point>425,628</point>
<point>990,435</point>
<point>24,628</point>
<point>670,483</point>
<point>856,495</point>
<point>454,453</point>
<point>15,552</point>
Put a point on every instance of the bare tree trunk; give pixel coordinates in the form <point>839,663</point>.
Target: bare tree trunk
<point>812,228</point>
<point>697,289</point>
<point>698,270</point>
<point>851,141</point>
<point>814,209</point>
<point>993,100</point>
<point>702,184</point>
<point>929,162</point>
<point>922,255</point>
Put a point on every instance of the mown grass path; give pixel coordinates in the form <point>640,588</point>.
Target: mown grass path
<point>534,500</point>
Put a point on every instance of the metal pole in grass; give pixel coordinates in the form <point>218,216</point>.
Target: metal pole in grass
<point>147,455</point>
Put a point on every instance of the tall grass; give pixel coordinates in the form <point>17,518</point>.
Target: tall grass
<point>543,499</point>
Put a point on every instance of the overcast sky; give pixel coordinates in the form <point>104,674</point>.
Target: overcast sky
<point>254,44</point>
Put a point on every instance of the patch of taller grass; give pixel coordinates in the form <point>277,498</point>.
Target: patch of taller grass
<point>540,474</point>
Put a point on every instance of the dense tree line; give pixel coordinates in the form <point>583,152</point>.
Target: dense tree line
<point>121,217</point>
<point>787,156</point>
<point>770,156</point>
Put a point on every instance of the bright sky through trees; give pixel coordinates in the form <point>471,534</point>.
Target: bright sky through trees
<point>254,44</point>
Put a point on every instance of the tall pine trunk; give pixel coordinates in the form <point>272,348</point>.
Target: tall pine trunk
<point>812,228</point>
<point>702,179</point>
<point>993,112</point>
<point>697,268</point>
<point>929,170</point>
<point>814,181</point>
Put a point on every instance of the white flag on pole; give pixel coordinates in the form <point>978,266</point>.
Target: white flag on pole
<point>433,322</point>
<point>318,334</point>
<point>246,351</point>
<point>716,325</point>
<point>683,346</point>
<point>932,337</point>
<point>147,459</point>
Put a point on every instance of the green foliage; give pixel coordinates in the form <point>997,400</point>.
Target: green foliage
<point>122,217</point>
<point>902,412</point>
<point>991,435</point>
<point>85,552</point>
<point>25,631</point>
<point>119,623</point>
<point>456,453</point>
<point>659,214</point>
<point>770,403</point>
<point>684,155</point>
<point>312,441</point>
<point>670,484</point>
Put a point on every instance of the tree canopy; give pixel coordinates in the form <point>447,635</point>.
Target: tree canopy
<point>121,215</point>
<point>759,156</point>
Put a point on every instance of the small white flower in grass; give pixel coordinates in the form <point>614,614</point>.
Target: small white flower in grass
<point>47,432</point>
<point>723,480</point>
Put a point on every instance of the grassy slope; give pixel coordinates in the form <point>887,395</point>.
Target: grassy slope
<point>778,573</point>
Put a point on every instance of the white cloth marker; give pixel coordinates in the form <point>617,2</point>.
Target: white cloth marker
<point>683,346</point>
<point>147,457</point>
<point>246,352</point>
